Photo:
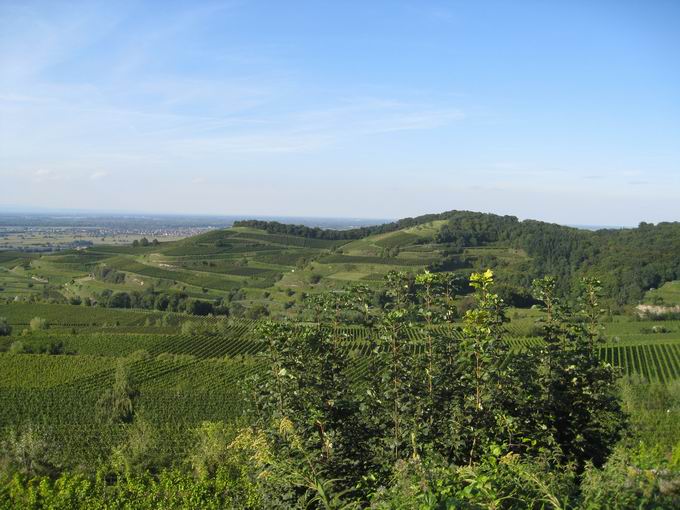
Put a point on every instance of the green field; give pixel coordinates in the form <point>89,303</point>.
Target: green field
<point>666,295</point>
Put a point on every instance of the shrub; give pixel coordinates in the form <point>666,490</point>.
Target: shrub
<point>27,451</point>
<point>38,324</point>
<point>257,312</point>
<point>5,328</point>
<point>17,347</point>
<point>210,448</point>
<point>138,452</point>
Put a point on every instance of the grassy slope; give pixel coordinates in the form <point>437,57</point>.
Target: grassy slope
<point>666,295</point>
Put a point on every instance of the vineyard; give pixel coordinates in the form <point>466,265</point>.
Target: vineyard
<point>183,378</point>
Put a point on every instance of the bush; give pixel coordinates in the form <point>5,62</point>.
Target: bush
<point>27,451</point>
<point>257,312</point>
<point>622,483</point>
<point>38,324</point>
<point>139,451</point>
<point>191,328</point>
<point>5,328</point>
<point>17,347</point>
<point>210,449</point>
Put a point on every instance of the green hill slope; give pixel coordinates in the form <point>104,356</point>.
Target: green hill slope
<point>270,264</point>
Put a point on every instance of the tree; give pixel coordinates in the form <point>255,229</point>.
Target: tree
<point>5,328</point>
<point>305,405</point>
<point>256,312</point>
<point>38,324</point>
<point>581,405</point>
<point>139,450</point>
<point>27,451</point>
<point>211,447</point>
<point>116,404</point>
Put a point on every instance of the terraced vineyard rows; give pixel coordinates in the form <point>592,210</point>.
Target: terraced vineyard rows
<point>208,280</point>
<point>60,393</point>
<point>68,315</point>
<point>185,379</point>
<point>357,259</point>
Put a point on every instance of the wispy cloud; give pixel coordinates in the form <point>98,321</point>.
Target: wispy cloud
<point>136,105</point>
<point>45,174</point>
<point>98,174</point>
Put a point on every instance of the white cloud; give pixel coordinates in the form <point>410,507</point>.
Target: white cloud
<point>99,174</point>
<point>45,174</point>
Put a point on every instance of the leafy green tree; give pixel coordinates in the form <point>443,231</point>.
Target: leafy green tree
<point>256,312</point>
<point>38,324</point>
<point>305,404</point>
<point>5,328</point>
<point>581,404</point>
<point>139,452</point>
<point>211,447</point>
<point>116,404</point>
<point>27,450</point>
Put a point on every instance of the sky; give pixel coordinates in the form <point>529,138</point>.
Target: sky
<point>565,111</point>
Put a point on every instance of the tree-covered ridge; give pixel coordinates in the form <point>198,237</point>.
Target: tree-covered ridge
<point>274,227</point>
<point>629,261</point>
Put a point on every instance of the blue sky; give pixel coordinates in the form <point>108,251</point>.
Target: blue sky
<point>563,111</point>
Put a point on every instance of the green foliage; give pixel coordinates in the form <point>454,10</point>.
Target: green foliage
<point>116,404</point>
<point>623,483</point>
<point>448,403</point>
<point>211,448</point>
<point>17,347</point>
<point>5,328</point>
<point>38,324</point>
<point>412,409</point>
<point>108,274</point>
<point>579,388</point>
<point>138,452</point>
<point>26,450</point>
<point>303,405</point>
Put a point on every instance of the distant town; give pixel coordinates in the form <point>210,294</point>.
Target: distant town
<point>43,232</point>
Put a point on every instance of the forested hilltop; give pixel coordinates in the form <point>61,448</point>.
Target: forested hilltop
<point>630,260</point>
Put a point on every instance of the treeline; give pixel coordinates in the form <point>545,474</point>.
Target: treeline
<point>630,261</point>
<point>157,300</point>
<point>274,227</point>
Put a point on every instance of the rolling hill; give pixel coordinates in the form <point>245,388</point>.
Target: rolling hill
<point>268,263</point>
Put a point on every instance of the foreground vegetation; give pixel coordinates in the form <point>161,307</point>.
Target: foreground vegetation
<point>278,366</point>
<point>414,408</point>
